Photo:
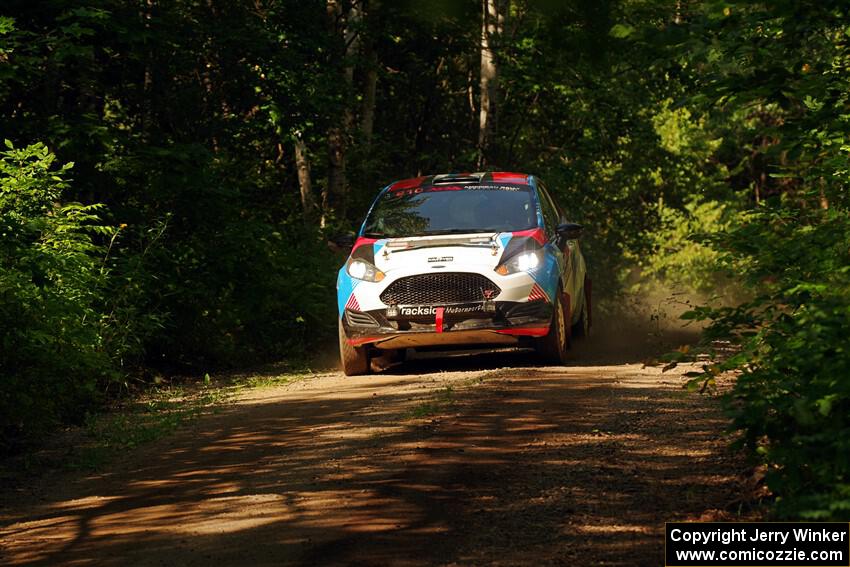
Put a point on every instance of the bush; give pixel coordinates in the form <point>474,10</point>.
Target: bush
<point>217,268</point>
<point>792,398</point>
<point>51,283</point>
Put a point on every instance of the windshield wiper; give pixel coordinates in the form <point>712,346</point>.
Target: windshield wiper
<point>374,235</point>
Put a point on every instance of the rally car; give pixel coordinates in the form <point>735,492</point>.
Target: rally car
<point>474,259</point>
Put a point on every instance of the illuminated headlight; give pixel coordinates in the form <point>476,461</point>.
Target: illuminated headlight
<point>363,270</point>
<point>523,262</point>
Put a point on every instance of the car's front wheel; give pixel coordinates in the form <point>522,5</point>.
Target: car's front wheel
<point>355,360</point>
<point>554,345</point>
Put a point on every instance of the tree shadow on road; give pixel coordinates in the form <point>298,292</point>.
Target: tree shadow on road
<point>538,465</point>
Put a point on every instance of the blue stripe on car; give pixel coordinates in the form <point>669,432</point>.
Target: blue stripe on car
<point>345,285</point>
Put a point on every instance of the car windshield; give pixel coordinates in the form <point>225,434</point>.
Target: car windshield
<point>452,209</point>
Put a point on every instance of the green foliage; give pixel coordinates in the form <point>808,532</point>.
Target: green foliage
<point>51,281</point>
<point>704,144</point>
<point>786,65</point>
<point>159,412</point>
<point>680,260</point>
<point>792,396</point>
<point>180,117</point>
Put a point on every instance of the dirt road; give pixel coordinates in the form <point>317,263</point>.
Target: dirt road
<point>484,459</point>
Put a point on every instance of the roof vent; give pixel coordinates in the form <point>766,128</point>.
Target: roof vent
<point>454,178</point>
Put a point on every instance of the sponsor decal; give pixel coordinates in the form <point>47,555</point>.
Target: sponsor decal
<point>441,259</point>
<point>408,192</point>
<point>430,310</point>
<point>493,187</point>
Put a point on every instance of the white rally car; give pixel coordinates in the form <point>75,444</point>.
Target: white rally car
<point>463,259</point>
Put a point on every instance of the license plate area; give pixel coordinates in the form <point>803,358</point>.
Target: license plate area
<point>428,313</point>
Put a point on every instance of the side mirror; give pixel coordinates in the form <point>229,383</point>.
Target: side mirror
<point>343,240</point>
<point>569,230</point>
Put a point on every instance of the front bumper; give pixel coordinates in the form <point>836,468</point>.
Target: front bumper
<point>448,325</point>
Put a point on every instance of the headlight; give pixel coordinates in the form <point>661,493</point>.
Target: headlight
<point>522,262</point>
<point>363,270</point>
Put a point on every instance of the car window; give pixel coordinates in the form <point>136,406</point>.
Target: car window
<point>550,213</point>
<point>447,209</point>
<point>562,216</point>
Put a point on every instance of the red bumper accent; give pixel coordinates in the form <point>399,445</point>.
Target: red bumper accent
<point>438,322</point>
<point>362,340</point>
<point>526,331</point>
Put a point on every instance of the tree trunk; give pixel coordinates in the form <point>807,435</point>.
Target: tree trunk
<point>305,183</point>
<point>367,119</point>
<point>335,195</point>
<point>492,23</point>
<point>147,80</point>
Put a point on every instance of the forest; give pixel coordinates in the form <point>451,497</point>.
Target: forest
<point>174,174</point>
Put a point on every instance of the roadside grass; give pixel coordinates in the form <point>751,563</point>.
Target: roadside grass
<point>162,410</point>
<point>171,403</point>
<point>439,403</point>
<point>273,380</point>
<point>144,415</point>
<point>156,413</point>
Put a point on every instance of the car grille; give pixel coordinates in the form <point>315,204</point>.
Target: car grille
<point>439,289</point>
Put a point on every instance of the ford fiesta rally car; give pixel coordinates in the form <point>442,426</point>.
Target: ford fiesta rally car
<point>463,259</point>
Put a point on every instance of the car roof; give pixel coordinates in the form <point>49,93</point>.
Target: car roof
<point>462,178</point>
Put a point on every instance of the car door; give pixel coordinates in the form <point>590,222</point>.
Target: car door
<point>570,257</point>
<point>554,244</point>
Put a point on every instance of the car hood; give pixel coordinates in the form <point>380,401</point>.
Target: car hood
<point>455,252</point>
<point>447,253</point>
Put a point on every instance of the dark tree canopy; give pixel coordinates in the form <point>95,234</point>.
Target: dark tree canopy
<point>173,171</point>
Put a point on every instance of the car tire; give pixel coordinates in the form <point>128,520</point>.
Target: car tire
<point>355,360</point>
<point>553,347</point>
<point>581,329</point>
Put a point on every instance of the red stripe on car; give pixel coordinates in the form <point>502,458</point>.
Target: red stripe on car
<point>352,303</point>
<point>407,183</point>
<point>438,322</point>
<point>537,294</point>
<point>355,342</point>
<point>536,233</point>
<point>525,331</point>
<point>363,241</point>
<point>508,177</point>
